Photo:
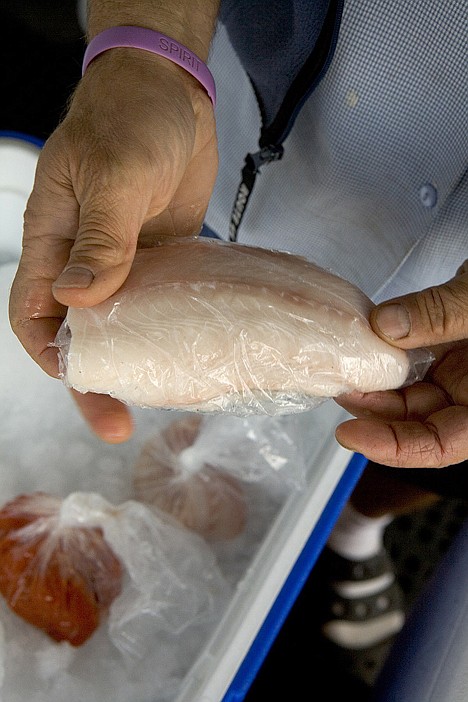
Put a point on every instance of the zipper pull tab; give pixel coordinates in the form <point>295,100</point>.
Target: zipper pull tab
<point>252,165</point>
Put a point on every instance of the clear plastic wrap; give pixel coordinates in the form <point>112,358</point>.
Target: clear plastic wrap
<point>205,325</point>
<point>197,467</point>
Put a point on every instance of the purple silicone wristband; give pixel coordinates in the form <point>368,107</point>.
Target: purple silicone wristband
<point>157,43</point>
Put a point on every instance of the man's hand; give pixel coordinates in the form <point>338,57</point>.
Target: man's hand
<point>424,425</point>
<point>135,159</point>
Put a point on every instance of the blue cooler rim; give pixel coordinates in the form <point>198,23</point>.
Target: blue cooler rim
<point>294,583</point>
<point>21,136</point>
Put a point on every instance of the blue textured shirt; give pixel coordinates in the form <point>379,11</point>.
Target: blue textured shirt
<point>373,183</point>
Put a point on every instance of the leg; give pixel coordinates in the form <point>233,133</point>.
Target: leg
<point>364,603</point>
<point>382,490</point>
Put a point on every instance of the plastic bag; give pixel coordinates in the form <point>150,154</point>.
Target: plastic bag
<point>67,563</point>
<point>170,476</point>
<point>172,597</point>
<point>58,575</point>
<point>205,325</point>
<point>197,468</point>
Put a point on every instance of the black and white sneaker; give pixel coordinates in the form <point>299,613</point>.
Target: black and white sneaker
<point>363,611</point>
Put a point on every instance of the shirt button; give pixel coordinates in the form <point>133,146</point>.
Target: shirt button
<point>428,195</point>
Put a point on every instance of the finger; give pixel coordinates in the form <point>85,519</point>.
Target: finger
<point>104,247</point>
<point>108,418</point>
<point>451,373</point>
<point>37,337</point>
<point>415,402</point>
<point>50,221</point>
<point>433,316</point>
<point>440,441</point>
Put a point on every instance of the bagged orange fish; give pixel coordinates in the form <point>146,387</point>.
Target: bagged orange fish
<point>60,577</point>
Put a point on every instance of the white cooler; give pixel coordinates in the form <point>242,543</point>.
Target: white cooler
<point>226,664</point>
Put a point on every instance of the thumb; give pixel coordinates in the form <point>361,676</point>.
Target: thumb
<point>436,315</point>
<point>104,248</point>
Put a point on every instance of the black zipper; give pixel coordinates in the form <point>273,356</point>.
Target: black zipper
<point>273,135</point>
<point>252,165</point>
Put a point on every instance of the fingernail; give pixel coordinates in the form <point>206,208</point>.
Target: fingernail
<point>74,277</point>
<point>394,321</point>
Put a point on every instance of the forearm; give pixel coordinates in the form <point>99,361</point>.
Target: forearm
<point>191,22</point>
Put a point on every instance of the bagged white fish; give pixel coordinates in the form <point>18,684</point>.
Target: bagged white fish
<point>199,494</point>
<point>198,468</point>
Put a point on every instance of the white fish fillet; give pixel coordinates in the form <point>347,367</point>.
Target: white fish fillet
<point>209,325</point>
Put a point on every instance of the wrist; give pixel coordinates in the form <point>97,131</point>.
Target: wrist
<point>142,38</point>
<point>189,22</point>
<point>142,76</point>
